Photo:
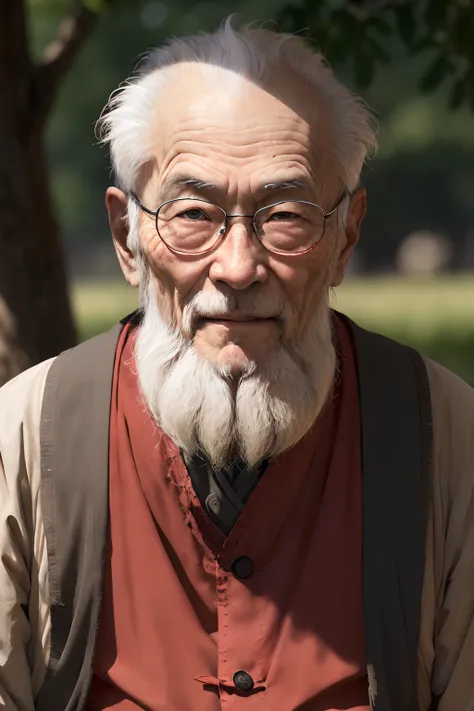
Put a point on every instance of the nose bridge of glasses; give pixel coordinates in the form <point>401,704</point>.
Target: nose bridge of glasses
<point>225,227</point>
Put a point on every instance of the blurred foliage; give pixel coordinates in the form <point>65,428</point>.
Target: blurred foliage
<point>362,31</point>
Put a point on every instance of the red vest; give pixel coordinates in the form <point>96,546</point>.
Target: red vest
<point>269,617</point>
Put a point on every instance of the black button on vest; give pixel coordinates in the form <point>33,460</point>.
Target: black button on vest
<point>243,680</point>
<point>242,567</point>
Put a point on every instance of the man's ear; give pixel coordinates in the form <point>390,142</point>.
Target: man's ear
<point>355,215</point>
<point>116,203</point>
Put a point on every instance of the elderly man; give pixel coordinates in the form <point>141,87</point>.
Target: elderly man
<point>236,499</point>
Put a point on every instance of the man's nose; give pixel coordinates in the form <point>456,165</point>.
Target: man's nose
<point>240,260</point>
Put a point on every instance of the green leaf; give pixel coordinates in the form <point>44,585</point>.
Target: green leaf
<point>461,35</point>
<point>422,44</point>
<point>381,25</point>
<point>364,68</point>
<point>435,73</point>
<point>435,14</point>
<point>470,87</point>
<point>378,51</point>
<point>406,23</point>
<point>94,5</point>
<point>458,94</point>
<point>291,18</point>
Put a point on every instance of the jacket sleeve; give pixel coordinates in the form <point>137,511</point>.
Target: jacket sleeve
<point>23,563</point>
<point>453,668</point>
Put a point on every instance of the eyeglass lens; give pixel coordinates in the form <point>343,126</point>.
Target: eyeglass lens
<point>193,226</point>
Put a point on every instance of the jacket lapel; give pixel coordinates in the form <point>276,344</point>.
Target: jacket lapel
<point>396,457</point>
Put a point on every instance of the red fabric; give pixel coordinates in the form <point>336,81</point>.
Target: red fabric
<point>176,623</point>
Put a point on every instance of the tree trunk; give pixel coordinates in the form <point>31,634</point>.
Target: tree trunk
<point>12,359</point>
<point>32,273</point>
<point>35,319</point>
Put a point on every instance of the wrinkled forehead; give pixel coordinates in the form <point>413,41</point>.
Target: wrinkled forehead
<point>201,102</point>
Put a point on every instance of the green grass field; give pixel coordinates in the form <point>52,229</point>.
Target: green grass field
<point>434,315</point>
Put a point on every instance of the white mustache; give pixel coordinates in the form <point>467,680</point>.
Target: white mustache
<point>218,305</point>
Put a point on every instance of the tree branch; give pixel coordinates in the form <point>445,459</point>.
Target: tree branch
<point>73,30</point>
<point>59,56</point>
<point>15,63</point>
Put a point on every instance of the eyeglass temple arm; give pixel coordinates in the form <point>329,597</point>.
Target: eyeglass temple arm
<point>142,206</point>
<point>345,194</point>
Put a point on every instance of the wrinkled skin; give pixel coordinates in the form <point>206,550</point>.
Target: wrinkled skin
<point>220,128</point>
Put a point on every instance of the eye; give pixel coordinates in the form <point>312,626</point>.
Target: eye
<point>284,215</point>
<point>194,215</point>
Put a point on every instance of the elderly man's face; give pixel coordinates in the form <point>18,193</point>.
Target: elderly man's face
<point>222,130</point>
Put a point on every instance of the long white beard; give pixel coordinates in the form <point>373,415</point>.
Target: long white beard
<point>275,403</point>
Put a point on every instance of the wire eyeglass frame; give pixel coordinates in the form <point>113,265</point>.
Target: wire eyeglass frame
<point>222,233</point>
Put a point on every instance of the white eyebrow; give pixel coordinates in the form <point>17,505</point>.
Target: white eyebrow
<point>195,183</point>
<point>285,185</point>
<point>176,182</point>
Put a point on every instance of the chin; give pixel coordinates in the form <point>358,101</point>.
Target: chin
<point>234,361</point>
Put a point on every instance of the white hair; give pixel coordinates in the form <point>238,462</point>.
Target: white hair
<point>249,52</point>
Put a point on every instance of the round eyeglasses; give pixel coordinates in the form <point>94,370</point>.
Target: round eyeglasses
<point>192,226</point>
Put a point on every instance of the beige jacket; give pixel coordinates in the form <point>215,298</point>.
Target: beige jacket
<point>446,641</point>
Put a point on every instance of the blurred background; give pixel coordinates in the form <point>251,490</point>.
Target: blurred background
<point>412,277</point>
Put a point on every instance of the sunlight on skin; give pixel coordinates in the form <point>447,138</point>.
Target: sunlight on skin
<point>241,138</point>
